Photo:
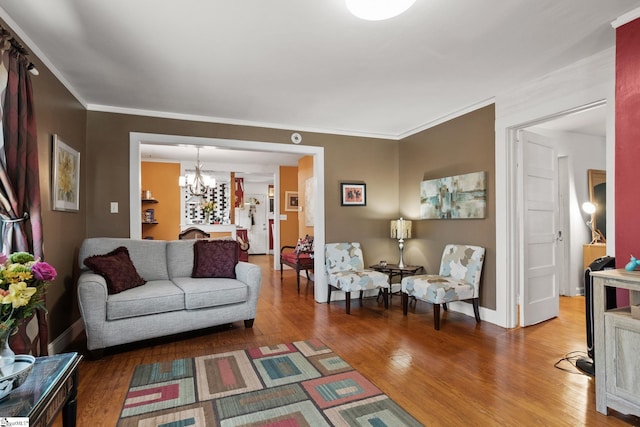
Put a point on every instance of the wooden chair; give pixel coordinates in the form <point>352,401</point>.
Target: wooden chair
<point>458,280</point>
<point>193,233</point>
<point>299,257</point>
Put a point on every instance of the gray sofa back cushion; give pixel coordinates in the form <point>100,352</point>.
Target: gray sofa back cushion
<point>148,256</point>
<point>180,258</point>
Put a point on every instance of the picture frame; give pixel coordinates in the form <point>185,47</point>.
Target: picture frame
<point>65,177</point>
<point>291,201</point>
<point>353,194</point>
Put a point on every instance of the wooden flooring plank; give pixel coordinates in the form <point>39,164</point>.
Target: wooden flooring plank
<point>464,374</point>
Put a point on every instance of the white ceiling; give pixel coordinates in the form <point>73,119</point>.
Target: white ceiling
<point>307,65</point>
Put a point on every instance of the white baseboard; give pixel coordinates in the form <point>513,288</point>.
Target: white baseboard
<point>63,340</point>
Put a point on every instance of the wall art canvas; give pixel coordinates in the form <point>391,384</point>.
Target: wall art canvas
<point>309,190</point>
<point>454,197</point>
<point>353,194</point>
<point>291,201</point>
<point>65,180</point>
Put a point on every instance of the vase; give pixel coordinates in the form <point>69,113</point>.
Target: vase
<point>7,356</point>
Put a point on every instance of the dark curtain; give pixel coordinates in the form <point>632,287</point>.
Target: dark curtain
<point>20,181</point>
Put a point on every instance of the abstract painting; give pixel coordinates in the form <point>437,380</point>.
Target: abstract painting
<point>65,180</point>
<point>454,197</point>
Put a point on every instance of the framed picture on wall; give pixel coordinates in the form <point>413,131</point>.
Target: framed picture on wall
<point>291,201</point>
<point>65,180</point>
<point>353,194</point>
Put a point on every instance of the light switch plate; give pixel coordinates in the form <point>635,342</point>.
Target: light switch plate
<point>114,207</point>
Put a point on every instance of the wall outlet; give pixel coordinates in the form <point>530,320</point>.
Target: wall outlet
<point>114,207</point>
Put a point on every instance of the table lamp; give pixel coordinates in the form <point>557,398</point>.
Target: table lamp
<point>400,229</point>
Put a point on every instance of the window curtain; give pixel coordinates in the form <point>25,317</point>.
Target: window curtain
<point>20,213</point>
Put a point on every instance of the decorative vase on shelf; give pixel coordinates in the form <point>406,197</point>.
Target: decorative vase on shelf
<point>7,356</point>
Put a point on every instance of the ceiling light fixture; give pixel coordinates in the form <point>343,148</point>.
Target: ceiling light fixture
<point>378,10</point>
<point>197,184</point>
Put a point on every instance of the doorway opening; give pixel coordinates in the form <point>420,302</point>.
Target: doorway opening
<point>589,121</point>
<point>136,139</point>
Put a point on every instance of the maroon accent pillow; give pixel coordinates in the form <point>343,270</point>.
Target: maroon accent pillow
<point>215,258</point>
<point>117,269</point>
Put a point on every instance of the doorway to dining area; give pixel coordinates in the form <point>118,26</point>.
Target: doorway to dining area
<point>136,140</point>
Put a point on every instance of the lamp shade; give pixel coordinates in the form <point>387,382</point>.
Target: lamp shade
<point>400,229</point>
<point>378,10</point>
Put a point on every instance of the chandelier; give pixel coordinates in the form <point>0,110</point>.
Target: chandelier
<point>197,184</point>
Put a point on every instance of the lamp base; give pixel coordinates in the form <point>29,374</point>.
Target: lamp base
<point>401,247</point>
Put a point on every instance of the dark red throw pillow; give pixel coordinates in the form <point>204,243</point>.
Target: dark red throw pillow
<point>215,258</point>
<point>117,269</point>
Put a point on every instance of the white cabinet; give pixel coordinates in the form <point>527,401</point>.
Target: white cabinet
<point>616,345</point>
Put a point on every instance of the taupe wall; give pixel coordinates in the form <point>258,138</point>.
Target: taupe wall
<point>372,161</point>
<point>58,112</point>
<point>460,146</point>
<point>465,144</point>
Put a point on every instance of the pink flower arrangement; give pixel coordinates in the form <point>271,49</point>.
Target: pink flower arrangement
<point>23,282</point>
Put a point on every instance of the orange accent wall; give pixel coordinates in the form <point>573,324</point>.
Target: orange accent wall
<point>288,227</point>
<point>627,149</point>
<point>162,180</point>
<point>305,171</point>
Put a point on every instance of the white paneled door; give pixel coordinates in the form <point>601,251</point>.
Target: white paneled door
<point>257,223</point>
<point>539,189</point>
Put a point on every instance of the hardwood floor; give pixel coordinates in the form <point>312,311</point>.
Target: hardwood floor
<point>464,374</point>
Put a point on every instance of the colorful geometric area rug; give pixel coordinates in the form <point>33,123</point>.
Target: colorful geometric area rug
<point>298,384</point>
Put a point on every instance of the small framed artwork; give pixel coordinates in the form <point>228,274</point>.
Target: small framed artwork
<point>291,201</point>
<point>65,179</point>
<point>353,194</point>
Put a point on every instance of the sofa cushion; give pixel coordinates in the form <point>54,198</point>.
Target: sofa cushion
<point>148,256</point>
<point>204,293</point>
<point>215,258</point>
<point>304,244</point>
<point>157,296</point>
<point>292,257</point>
<point>180,258</point>
<point>117,269</point>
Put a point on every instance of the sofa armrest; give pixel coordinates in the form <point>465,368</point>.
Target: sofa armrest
<point>251,275</point>
<point>92,302</point>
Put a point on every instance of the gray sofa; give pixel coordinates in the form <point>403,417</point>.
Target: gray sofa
<point>170,302</point>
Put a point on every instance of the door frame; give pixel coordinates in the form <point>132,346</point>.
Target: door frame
<point>515,254</point>
<point>138,138</point>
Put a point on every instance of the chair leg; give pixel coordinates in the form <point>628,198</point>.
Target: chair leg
<point>405,303</point>
<point>385,297</point>
<point>298,279</point>
<point>348,301</point>
<point>436,316</point>
<point>476,309</point>
<point>329,294</point>
<point>281,271</point>
<point>445,306</point>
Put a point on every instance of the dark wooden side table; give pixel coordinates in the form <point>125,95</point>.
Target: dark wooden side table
<point>52,386</point>
<point>394,271</point>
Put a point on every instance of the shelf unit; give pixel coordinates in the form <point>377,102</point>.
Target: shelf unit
<point>148,201</point>
<point>616,344</point>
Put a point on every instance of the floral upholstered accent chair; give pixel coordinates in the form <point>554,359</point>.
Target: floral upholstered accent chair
<point>459,279</point>
<point>345,267</point>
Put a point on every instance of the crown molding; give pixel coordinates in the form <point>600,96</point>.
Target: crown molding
<point>237,122</point>
<point>626,18</point>
<point>448,117</point>
<point>30,45</point>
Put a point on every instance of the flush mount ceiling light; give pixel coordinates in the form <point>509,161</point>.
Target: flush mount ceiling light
<point>378,10</point>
